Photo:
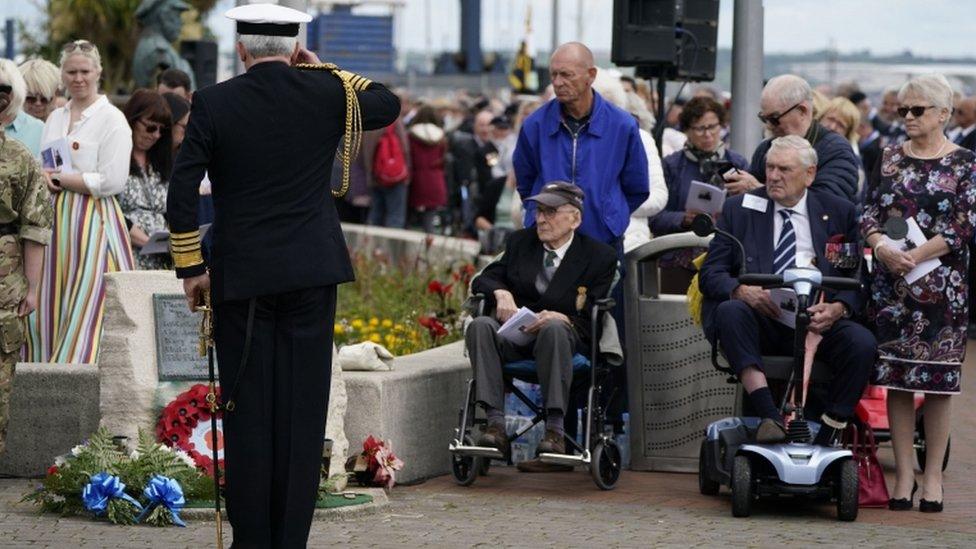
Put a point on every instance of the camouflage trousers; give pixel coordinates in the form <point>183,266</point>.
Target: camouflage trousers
<point>7,363</point>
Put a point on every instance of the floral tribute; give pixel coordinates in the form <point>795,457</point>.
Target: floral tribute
<point>407,306</point>
<point>102,480</point>
<point>185,424</point>
<point>376,465</point>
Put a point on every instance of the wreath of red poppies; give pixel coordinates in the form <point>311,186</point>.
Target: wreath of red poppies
<point>185,424</point>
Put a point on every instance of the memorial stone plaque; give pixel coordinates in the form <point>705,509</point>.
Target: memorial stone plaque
<point>177,340</point>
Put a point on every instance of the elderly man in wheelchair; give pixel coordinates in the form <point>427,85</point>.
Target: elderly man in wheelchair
<point>558,274</point>
<point>781,226</point>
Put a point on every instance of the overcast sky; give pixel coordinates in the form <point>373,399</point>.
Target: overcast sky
<point>933,27</point>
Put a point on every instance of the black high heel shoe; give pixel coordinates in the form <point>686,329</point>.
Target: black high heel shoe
<point>927,506</point>
<point>902,504</point>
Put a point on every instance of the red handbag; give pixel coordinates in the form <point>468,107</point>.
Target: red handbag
<point>872,490</point>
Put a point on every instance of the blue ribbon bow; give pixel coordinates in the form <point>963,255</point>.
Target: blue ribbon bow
<point>101,489</point>
<point>166,492</point>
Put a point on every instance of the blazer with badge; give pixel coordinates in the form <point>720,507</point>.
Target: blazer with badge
<point>267,139</point>
<point>588,264</point>
<point>829,217</point>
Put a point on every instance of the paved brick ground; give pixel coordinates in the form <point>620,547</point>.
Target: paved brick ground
<point>511,509</point>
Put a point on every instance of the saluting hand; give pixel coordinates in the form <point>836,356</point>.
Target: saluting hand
<point>194,287</point>
<point>305,56</point>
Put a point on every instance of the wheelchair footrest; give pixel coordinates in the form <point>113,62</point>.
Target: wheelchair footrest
<point>565,459</point>
<point>476,451</point>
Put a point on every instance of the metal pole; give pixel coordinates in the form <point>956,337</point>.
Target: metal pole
<point>579,20</point>
<point>9,38</point>
<point>747,75</point>
<point>555,25</point>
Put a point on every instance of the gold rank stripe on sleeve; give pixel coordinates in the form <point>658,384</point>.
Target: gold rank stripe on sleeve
<point>185,249</point>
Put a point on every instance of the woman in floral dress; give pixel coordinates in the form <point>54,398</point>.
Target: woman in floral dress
<point>921,327</point>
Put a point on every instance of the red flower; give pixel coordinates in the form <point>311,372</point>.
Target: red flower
<point>53,470</point>
<point>435,287</point>
<point>433,326</point>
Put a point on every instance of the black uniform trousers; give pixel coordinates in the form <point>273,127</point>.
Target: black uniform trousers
<point>848,349</point>
<point>274,436</point>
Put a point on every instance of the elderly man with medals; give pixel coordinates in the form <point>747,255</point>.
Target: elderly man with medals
<point>268,138</point>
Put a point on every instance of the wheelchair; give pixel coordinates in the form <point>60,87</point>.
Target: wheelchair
<point>599,451</point>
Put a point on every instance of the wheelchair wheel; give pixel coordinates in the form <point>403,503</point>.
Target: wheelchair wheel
<point>605,464</point>
<point>847,488</point>
<point>465,468</point>
<point>742,488</point>
<point>706,486</point>
<point>920,447</point>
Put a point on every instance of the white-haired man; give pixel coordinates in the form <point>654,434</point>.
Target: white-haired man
<point>16,123</point>
<point>782,225</point>
<point>787,109</point>
<point>267,139</point>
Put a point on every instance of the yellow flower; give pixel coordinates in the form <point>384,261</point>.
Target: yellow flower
<point>399,327</point>
<point>357,323</point>
<point>374,321</point>
<point>387,323</point>
<point>375,338</point>
<point>390,339</point>
<point>338,329</point>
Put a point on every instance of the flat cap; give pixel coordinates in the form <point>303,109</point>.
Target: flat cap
<point>267,19</point>
<point>557,193</point>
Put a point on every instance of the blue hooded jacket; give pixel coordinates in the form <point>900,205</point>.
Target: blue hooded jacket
<point>606,159</point>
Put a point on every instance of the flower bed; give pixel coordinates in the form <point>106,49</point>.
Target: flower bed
<point>407,305</point>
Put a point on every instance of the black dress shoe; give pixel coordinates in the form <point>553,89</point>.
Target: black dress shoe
<point>927,506</point>
<point>770,431</point>
<point>902,504</point>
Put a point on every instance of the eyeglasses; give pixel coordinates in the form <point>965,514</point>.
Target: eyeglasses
<point>773,119</point>
<point>702,130</point>
<point>917,110</point>
<point>83,45</point>
<point>152,128</point>
<point>31,99</point>
<point>6,88</point>
<point>548,212</point>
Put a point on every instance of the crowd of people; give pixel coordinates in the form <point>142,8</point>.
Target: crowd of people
<point>474,166</point>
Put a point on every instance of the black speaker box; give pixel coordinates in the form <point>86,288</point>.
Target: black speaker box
<point>671,38</point>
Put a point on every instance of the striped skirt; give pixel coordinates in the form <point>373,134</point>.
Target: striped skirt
<point>89,239</point>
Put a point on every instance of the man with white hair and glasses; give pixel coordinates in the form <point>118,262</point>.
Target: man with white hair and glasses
<point>787,109</point>
<point>783,225</point>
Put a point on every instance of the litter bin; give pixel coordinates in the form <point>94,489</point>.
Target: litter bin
<point>674,390</point>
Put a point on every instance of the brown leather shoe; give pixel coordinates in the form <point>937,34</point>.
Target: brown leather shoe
<point>495,437</point>
<point>770,431</point>
<point>536,466</point>
<point>552,443</point>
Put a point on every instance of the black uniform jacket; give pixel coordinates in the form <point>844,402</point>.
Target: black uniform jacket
<point>267,140</point>
<point>589,265</point>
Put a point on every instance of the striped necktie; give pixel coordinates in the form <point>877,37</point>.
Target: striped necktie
<point>784,256</point>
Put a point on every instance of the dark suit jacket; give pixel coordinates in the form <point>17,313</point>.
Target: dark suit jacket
<point>588,263</point>
<point>267,139</point>
<point>717,278</point>
<point>969,142</point>
<point>871,154</point>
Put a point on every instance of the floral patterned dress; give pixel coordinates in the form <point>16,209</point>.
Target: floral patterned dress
<point>144,204</point>
<point>921,327</point>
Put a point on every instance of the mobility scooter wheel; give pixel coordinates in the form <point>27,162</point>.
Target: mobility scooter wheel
<point>605,464</point>
<point>465,468</point>
<point>847,488</point>
<point>706,486</point>
<point>742,487</point>
<point>920,446</point>
<point>484,466</point>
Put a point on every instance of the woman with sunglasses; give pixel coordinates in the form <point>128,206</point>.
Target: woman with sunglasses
<point>43,79</point>
<point>921,325</point>
<point>15,122</point>
<point>703,155</point>
<point>144,199</point>
<point>90,237</point>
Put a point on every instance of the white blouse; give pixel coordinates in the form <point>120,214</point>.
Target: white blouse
<point>100,144</point>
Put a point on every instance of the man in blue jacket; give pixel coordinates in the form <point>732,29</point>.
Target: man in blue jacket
<point>787,109</point>
<point>583,139</point>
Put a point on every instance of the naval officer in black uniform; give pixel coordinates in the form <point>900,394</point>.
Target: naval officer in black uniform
<point>267,139</point>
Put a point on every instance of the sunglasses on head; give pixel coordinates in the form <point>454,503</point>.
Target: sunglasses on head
<point>83,45</point>
<point>773,119</point>
<point>31,99</point>
<point>6,88</point>
<point>917,110</point>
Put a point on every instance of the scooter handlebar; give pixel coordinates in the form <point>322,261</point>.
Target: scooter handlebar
<point>840,283</point>
<point>757,279</point>
<point>773,280</point>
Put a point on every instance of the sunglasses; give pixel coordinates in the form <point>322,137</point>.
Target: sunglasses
<point>6,88</point>
<point>32,99</point>
<point>152,128</point>
<point>917,110</point>
<point>83,45</point>
<point>773,119</point>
